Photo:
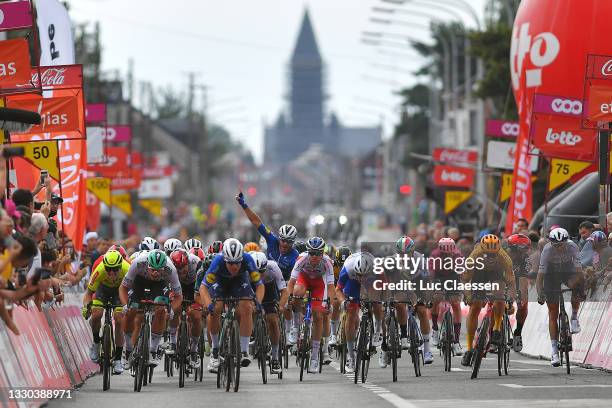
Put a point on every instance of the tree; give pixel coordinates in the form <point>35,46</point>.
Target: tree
<point>169,103</point>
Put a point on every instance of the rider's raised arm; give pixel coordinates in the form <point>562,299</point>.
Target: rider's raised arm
<point>254,218</point>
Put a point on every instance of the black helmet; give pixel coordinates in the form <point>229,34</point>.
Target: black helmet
<point>300,246</point>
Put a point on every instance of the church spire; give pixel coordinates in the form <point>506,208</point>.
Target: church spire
<point>306,48</point>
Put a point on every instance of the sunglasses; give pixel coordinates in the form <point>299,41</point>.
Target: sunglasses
<point>287,241</point>
<point>234,262</point>
<point>315,253</point>
<point>114,270</point>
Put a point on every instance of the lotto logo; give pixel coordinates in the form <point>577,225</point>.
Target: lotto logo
<point>542,49</point>
<point>566,106</point>
<point>452,176</point>
<point>563,137</point>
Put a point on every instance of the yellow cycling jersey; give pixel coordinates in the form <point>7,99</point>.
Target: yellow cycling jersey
<point>100,277</point>
<point>337,269</point>
<point>501,264</point>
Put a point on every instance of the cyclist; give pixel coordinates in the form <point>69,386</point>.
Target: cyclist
<point>406,246</point>
<point>275,292</point>
<point>355,269</point>
<point>313,271</point>
<point>518,250</point>
<point>559,263</point>
<point>231,274</point>
<point>148,244</point>
<point>187,268</point>
<point>280,250</point>
<point>595,251</point>
<point>172,244</point>
<point>341,255</point>
<point>149,275</point>
<point>299,246</point>
<point>192,243</point>
<point>215,248</point>
<point>103,288</point>
<point>115,247</point>
<point>488,262</point>
<point>443,262</point>
<point>251,247</point>
<point>199,252</point>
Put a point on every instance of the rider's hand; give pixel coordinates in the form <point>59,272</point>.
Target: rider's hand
<point>344,305</point>
<point>258,307</point>
<point>240,199</point>
<point>511,308</point>
<point>541,299</point>
<point>210,308</point>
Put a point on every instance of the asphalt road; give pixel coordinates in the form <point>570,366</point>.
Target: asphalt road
<point>530,383</point>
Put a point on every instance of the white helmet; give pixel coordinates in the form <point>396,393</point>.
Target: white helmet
<point>172,244</point>
<point>134,255</point>
<point>362,265</point>
<point>148,244</point>
<point>192,243</point>
<point>287,232</point>
<point>232,250</point>
<point>558,235</point>
<point>261,260</point>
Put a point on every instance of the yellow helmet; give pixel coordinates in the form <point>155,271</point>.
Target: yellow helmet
<point>251,246</point>
<point>112,259</point>
<point>490,244</point>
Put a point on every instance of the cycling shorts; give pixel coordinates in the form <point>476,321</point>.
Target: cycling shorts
<point>317,287</point>
<point>188,290</point>
<point>271,296</point>
<point>557,275</point>
<point>238,287</point>
<point>145,289</point>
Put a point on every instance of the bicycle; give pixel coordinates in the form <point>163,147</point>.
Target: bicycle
<point>391,341</point>
<point>262,345</point>
<point>182,344</point>
<point>107,351</point>
<point>282,348</point>
<point>341,347</point>
<point>447,333</point>
<point>304,341</point>
<point>364,342</point>
<point>503,349</point>
<point>228,373</point>
<point>416,339</point>
<point>143,373</point>
<point>565,333</point>
<point>199,372</point>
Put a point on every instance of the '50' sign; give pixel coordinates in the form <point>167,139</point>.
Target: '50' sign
<point>542,50</point>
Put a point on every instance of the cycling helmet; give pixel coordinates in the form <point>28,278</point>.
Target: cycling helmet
<point>404,245</point>
<point>362,264</point>
<point>330,250</point>
<point>341,254</point>
<point>558,235</point>
<point>192,243</point>
<point>215,248</point>
<point>156,259</point>
<point>199,252</point>
<point>287,232</point>
<point>519,241</point>
<point>148,244</point>
<point>232,250</point>
<point>134,255</point>
<point>121,250</point>
<point>112,259</point>
<point>172,244</point>
<point>261,260</point>
<point>447,245</point>
<point>598,236</point>
<point>251,247</point>
<point>315,244</point>
<point>179,258</point>
<point>490,244</point>
<point>300,246</point>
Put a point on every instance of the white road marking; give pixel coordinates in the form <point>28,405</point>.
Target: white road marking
<point>495,369</point>
<point>558,386</point>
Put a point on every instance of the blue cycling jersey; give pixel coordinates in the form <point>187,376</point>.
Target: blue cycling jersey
<point>285,261</point>
<point>350,287</point>
<point>218,272</point>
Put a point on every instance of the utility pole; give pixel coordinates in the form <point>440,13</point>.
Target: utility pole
<point>192,140</point>
<point>203,151</point>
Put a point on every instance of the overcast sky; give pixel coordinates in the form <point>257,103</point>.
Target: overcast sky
<point>240,51</point>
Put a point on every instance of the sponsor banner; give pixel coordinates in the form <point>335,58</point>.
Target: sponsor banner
<point>56,77</point>
<point>101,188</point>
<point>501,128</point>
<point>563,137</point>
<point>61,336</point>
<point>561,171</point>
<point>117,162</point>
<point>14,63</point>
<point>55,28</point>
<point>506,187</point>
<point>61,113</point>
<point>95,145</point>
<point>446,155</point>
<point>600,103</point>
<point>15,15</point>
<point>452,176</point>
<point>155,188</point>
<point>453,199</point>
<point>9,367</point>
<point>43,155</point>
<point>153,206</point>
<point>93,211</point>
<point>500,155</point>
<point>127,182</point>
<point>114,133</point>
<point>557,105</point>
<point>598,354</point>
<point>158,172</point>
<point>123,201</point>
<point>95,112</point>
<point>158,159</point>
<point>599,66</point>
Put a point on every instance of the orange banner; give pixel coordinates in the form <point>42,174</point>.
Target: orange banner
<point>14,63</point>
<point>63,112</point>
<point>600,103</point>
<point>93,212</point>
<point>118,162</point>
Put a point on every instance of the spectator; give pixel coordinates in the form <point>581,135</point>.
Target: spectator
<point>585,229</point>
<point>90,244</point>
<point>23,197</point>
<point>609,222</point>
<point>454,233</point>
<point>521,226</point>
<point>37,231</point>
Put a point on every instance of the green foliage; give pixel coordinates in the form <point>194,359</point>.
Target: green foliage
<point>170,103</point>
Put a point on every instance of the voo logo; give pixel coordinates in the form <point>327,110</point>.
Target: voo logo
<point>564,138</point>
<point>566,106</point>
<point>542,50</point>
<point>510,129</point>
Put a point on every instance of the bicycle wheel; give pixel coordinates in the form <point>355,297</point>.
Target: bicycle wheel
<point>508,340</point>
<point>365,361</point>
<point>304,349</point>
<point>393,345</point>
<point>201,346</point>
<point>501,350</point>
<point>236,352</point>
<point>481,346</point>
<point>106,360</point>
<point>182,351</point>
<point>342,349</point>
<point>223,349</point>
<point>414,345</point>
<point>260,344</point>
<point>448,339</point>
<point>136,363</point>
<point>144,357</point>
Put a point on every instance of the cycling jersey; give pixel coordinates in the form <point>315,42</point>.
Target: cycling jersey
<point>140,268</point>
<point>442,265</point>
<point>99,277</point>
<point>273,274</point>
<point>564,258</point>
<point>222,283</point>
<point>285,261</point>
<point>323,269</point>
<point>521,262</point>
<point>189,277</point>
<point>477,270</point>
<point>589,256</point>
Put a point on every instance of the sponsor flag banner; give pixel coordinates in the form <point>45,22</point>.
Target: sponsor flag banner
<point>60,114</point>
<point>57,77</point>
<point>600,102</point>
<point>114,133</point>
<point>123,202</point>
<point>55,28</point>
<point>158,172</point>
<point>446,155</point>
<point>155,188</point>
<point>14,64</point>
<point>453,199</point>
<point>93,212</point>
<point>129,182</point>
<point>501,155</point>
<point>501,128</point>
<point>95,145</point>
<point>117,162</point>
<point>15,15</point>
<point>95,112</point>
<point>154,206</point>
<point>452,176</point>
<point>101,188</point>
<point>562,137</point>
<point>43,155</point>
<point>561,171</point>
<point>557,105</point>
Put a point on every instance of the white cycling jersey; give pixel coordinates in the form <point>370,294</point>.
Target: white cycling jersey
<point>323,269</point>
<point>274,274</point>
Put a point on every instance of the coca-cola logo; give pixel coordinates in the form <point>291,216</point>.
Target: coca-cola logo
<point>563,137</point>
<point>566,106</point>
<point>510,129</point>
<point>454,155</point>
<point>606,69</point>
<point>452,176</point>
<point>50,77</point>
